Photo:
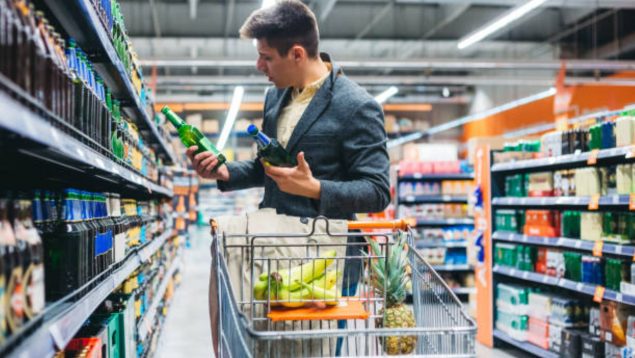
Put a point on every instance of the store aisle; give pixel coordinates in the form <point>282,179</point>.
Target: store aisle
<point>187,330</point>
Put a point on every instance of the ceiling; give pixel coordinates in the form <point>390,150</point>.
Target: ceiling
<point>195,49</point>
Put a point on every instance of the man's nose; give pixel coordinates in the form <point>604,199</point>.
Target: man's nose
<point>260,66</point>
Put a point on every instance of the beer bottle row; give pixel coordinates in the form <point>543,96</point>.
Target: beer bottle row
<point>58,75</point>
<point>53,243</point>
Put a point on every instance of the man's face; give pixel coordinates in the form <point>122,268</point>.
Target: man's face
<point>279,69</point>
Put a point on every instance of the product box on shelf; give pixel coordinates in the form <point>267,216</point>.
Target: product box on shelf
<point>613,322</point>
<point>555,337</point>
<point>538,332</point>
<point>592,346</point>
<point>571,343</point>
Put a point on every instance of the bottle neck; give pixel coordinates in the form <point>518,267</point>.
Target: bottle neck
<point>176,121</point>
<point>262,139</point>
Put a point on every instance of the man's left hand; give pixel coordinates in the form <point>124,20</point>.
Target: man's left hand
<point>297,180</point>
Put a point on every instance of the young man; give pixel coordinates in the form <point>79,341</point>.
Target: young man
<point>332,126</point>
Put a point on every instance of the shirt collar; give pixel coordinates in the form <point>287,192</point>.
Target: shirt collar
<point>312,88</point>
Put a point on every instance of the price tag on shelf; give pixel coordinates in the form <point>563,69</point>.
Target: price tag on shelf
<point>631,202</point>
<point>525,275</point>
<point>594,202</point>
<point>446,198</point>
<point>410,198</point>
<point>618,249</point>
<point>597,248</point>
<point>593,157</point>
<point>599,294</point>
<point>417,176</point>
<point>578,244</point>
<point>579,286</point>
<point>545,279</point>
<point>630,153</point>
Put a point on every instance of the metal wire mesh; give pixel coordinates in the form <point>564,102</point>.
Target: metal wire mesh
<point>442,326</point>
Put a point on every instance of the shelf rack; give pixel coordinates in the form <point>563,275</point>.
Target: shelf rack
<point>80,21</point>
<point>63,320</point>
<point>605,203</point>
<point>53,145</point>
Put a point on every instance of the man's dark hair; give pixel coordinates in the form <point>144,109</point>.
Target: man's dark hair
<point>283,25</point>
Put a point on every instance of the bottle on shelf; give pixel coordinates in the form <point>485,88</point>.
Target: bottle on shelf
<point>11,297</point>
<point>191,136</point>
<point>30,245</point>
<point>270,150</point>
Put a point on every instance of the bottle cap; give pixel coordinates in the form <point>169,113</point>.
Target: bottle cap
<point>252,129</point>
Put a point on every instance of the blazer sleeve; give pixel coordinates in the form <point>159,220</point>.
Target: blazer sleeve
<point>367,185</point>
<point>243,174</point>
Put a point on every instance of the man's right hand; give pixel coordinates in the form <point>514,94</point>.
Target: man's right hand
<point>204,162</point>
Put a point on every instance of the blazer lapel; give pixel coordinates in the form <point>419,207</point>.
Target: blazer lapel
<point>272,124</point>
<point>318,104</point>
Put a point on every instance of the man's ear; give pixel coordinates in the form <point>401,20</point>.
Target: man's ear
<point>298,53</point>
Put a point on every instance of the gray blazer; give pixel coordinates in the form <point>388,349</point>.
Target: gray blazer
<point>344,141</point>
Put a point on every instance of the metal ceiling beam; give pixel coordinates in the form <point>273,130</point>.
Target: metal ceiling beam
<point>613,49</point>
<point>259,97</point>
<point>452,13</point>
<point>405,80</point>
<point>624,4</point>
<point>443,64</point>
<point>328,7</point>
<point>155,19</point>
<point>380,15</point>
<point>229,16</point>
<point>193,8</point>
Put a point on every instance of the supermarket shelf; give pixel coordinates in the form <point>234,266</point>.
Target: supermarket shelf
<point>566,161</point>
<point>525,346</point>
<point>425,199</point>
<point>563,242</point>
<point>62,325</point>
<point>464,290</point>
<point>69,152</point>
<point>611,201</point>
<point>433,177</point>
<point>422,243</point>
<point>584,288</point>
<point>452,267</point>
<point>444,222</point>
<point>145,324</point>
<point>80,20</point>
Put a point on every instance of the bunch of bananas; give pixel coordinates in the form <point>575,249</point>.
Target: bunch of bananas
<point>297,286</point>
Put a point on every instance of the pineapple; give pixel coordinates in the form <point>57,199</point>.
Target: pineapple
<point>390,281</point>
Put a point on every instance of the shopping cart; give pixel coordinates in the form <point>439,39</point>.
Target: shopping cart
<point>248,326</point>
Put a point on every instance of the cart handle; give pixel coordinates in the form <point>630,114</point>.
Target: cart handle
<point>401,224</point>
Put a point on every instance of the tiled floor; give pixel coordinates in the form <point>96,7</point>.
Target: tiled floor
<point>187,331</point>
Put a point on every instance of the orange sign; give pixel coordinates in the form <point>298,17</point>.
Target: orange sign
<point>483,268</point>
<point>594,202</point>
<point>593,157</point>
<point>631,202</point>
<point>597,248</point>
<point>599,294</point>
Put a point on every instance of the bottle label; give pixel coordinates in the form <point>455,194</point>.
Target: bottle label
<point>15,314</point>
<point>35,289</point>
<point>3,308</point>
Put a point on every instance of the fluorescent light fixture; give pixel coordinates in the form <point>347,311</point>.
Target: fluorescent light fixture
<point>506,19</point>
<point>231,117</point>
<point>267,3</point>
<point>490,112</point>
<point>382,97</point>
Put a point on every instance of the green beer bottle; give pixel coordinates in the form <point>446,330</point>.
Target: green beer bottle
<point>192,136</point>
<point>270,150</point>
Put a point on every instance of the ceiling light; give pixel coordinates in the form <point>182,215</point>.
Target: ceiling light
<point>445,92</point>
<point>382,97</point>
<point>231,117</point>
<point>509,17</point>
